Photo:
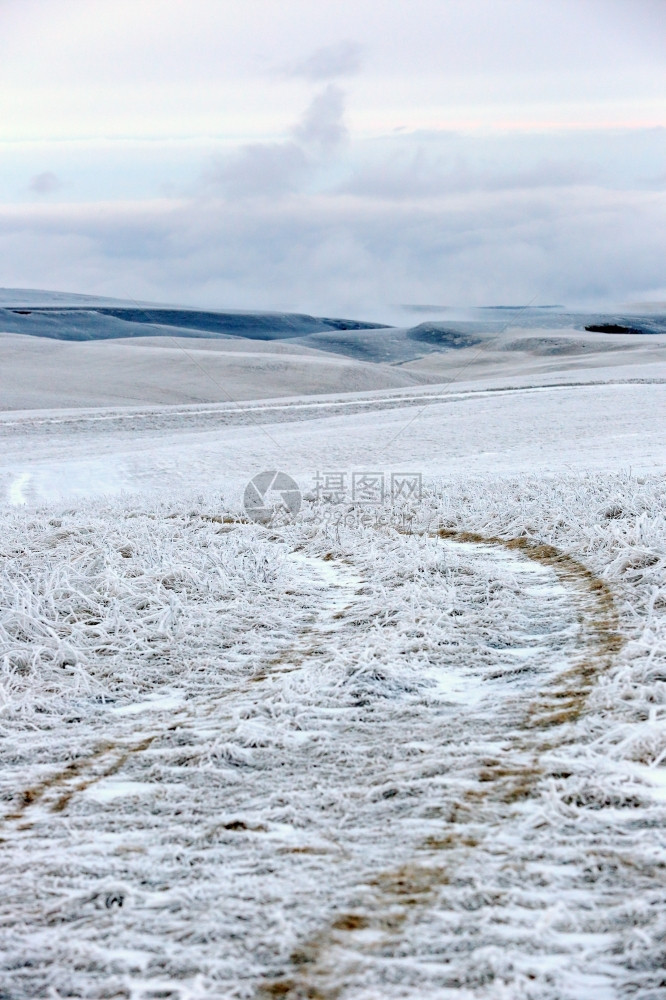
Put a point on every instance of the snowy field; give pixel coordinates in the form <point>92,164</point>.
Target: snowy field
<point>409,746</point>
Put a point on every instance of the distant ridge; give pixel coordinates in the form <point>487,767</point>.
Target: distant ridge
<point>40,297</point>
<point>70,317</point>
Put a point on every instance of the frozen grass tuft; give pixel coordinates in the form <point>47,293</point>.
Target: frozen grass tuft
<point>318,762</point>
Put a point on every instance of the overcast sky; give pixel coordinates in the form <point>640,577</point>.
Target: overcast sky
<point>335,158</point>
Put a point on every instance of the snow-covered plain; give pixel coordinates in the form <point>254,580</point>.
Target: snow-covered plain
<point>408,748</point>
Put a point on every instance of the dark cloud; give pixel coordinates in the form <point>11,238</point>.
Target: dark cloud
<point>329,62</point>
<point>45,183</point>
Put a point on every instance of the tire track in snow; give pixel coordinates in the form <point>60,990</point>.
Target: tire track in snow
<point>564,701</point>
<point>55,792</point>
<point>323,966</point>
<point>394,897</point>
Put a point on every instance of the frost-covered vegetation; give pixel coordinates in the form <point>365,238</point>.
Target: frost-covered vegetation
<point>327,761</point>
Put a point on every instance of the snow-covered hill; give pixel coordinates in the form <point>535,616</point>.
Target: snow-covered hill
<point>75,351</point>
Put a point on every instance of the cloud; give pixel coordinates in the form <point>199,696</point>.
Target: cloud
<point>329,62</point>
<point>322,126</point>
<point>260,169</point>
<point>320,224</point>
<point>275,169</point>
<point>341,255</point>
<point>45,183</point>
<point>419,176</point>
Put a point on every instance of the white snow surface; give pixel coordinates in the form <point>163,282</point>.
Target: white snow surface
<point>335,758</point>
<point>478,429</point>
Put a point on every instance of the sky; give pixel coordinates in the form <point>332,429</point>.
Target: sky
<point>349,158</point>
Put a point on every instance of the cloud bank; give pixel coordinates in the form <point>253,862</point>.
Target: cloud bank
<point>326,220</point>
<point>339,254</point>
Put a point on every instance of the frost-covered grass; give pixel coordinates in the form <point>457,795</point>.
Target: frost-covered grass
<point>304,762</point>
